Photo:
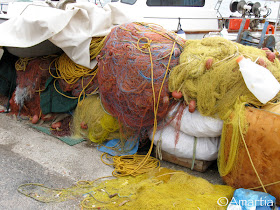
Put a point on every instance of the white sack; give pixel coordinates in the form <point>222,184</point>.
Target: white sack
<point>206,148</point>
<point>194,124</point>
<point>70,29</point>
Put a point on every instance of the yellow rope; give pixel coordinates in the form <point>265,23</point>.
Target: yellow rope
<point>21,63</point>
<point>266,185</point>
<point>96,45</point>
<point>71,72</point>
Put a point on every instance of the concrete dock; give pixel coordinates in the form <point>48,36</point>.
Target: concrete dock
<point>29,156</point>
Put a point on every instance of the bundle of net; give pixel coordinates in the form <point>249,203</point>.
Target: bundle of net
<point>133,69</point>
<point>92,122</point>
<point>79,79</point>
<point>209,74</point>
<point>161,188</point>
<point>32,74</point>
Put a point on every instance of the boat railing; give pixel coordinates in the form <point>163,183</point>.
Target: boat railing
<point>2,8</point>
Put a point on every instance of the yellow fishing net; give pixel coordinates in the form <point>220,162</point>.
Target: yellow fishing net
<point>219,89</point>
<point>159,189</point>
<point>98,126</point>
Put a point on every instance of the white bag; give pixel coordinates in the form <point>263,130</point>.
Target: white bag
<point>259,80</point>
<point>206,148</point>
<point>194,124</point>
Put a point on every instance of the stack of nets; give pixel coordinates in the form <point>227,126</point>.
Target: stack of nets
<point>92,122</point>
<point>219,89</point>
<point>32,74</point>
<point>133,69</point>
<point>76,78</point>
<point>77,88</point>
<point>161,188</point>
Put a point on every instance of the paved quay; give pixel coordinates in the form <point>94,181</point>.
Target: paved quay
<point>29,156</point>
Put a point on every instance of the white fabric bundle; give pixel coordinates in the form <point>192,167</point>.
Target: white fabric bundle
<point>206,148</point>
<point>194,124</point>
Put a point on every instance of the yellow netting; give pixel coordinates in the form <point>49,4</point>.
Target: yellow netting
<point>219,91</point>
<point>160,189</point>
<point>100,126</point>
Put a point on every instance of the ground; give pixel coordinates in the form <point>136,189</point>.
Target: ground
<point>29,156</point>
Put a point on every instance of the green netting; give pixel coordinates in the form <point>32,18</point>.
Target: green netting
<point>53,101</point>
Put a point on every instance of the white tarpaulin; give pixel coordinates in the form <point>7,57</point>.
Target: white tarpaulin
<point>70,29</point>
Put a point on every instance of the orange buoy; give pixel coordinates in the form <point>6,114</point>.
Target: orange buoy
<point>84,125</point>
<point>177,94</point>
<point>270,27</point>
<point>35,119</point>
<point>192,106</point>
<point>209,63</point>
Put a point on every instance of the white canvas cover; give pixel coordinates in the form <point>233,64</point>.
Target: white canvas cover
<point>70,29</point>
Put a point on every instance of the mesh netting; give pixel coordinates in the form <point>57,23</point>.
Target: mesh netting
<point>32,74</point>
<point>64,129</point>
<point>76,78</point>
<point>263,142</point>
<point>133,54</point>
<point>92,122</point>
<point>78,87</point>
<point>219,89</point>
<point>161,188</point>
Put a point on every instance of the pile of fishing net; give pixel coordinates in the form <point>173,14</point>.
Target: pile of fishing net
<point>75,78</point>
<point>259,152</point>
<point>161,188</point>
<point>32,74</point>
<point>133,69</point>
<point>91,121</point>
<point>209,74</point>
<point>78,87</point>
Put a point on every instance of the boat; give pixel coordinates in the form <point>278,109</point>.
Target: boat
<point>189,18</point>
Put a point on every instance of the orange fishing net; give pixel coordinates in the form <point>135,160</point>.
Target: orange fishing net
<point>136,57</point>
<point>32,74</point>
<point>78,87</point>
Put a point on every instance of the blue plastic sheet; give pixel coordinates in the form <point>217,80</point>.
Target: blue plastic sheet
<point>248,200</point>
<point>113,148</point>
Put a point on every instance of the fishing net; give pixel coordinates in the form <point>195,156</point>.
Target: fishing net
<point>71,73</point>
<point>54,100</point>
<point>64,129</point>
<point>159,189</point>
<point>32,74</point>
<point>219,89</point>
<point>258,155</point>
<point>91,121</point>
<point>77,78</point>
<point>77,88</point>
<point>132,71</point>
